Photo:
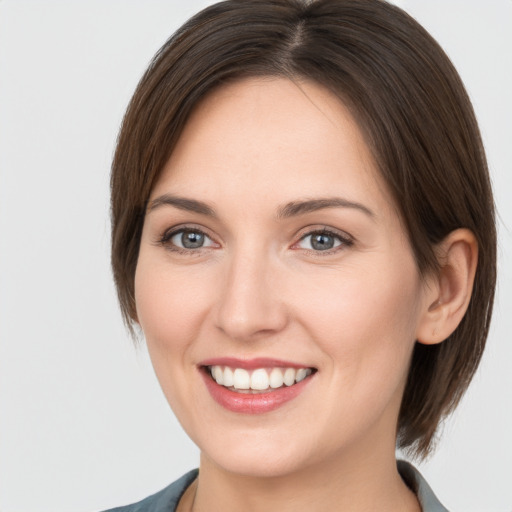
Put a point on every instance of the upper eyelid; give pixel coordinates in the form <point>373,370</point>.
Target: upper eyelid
<point>300,235</point>
<point>164,238</point>
<point>310,230</point>
<point>169,232</point>
<point>345,238</point>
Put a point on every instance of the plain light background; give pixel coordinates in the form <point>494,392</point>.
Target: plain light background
<point>83,423</point>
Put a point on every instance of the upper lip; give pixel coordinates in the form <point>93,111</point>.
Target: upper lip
<point>252,364</point>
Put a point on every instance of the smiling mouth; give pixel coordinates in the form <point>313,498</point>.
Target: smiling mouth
<point>259,380</point>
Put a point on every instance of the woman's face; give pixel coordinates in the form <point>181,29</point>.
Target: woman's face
<point>272,251</point>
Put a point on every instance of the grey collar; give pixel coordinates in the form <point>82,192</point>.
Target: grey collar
<point>413,478</point>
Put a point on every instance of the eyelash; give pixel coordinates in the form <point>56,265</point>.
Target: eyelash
<point>165,240</point>
<point>344,239</point>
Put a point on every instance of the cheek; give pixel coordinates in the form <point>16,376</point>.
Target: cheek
<point>366,320</point>
<point>170,308</point>
<point>169,304</point>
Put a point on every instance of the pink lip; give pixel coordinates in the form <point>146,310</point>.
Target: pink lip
<point>251,403</point>
<point>251,364</point>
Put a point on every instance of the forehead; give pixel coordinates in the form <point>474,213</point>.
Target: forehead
<point>282,139</point>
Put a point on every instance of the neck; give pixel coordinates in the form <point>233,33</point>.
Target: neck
<point>373,483</point>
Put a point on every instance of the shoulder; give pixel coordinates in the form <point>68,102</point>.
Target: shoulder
<point>413,478</point>
<point>165,500</point>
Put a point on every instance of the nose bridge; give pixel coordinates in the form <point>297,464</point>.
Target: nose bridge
<point>249,304</point>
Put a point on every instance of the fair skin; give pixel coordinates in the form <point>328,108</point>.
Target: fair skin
<point>231,267</point>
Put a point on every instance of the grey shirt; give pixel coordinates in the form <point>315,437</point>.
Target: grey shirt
<point>413,478</point>
<point>167,499</point>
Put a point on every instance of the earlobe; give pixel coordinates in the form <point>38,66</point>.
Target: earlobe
<point>449,292</point>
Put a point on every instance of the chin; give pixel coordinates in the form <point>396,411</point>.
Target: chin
<point>256,463</point>
<point>263,454</point>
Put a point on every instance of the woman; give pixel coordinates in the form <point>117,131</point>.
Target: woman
<point>303,229</point>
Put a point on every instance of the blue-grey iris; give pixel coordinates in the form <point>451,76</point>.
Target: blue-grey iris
<point>192,239</point>
<point>322,241</point>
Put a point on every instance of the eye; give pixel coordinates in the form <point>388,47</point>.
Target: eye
<point>322,240</point>
<point>187,239</point>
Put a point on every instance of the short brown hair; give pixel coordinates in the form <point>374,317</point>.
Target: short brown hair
<point>413,110</point>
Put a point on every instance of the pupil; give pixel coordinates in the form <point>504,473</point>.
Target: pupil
<point>322,242</point>
<point>192,240</point>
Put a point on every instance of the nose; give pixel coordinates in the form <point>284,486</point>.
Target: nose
<point>251,304</point>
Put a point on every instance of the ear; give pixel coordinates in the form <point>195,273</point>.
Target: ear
<point>449,291</point>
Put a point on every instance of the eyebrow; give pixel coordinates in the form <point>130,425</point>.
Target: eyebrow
<point>291,209</point>
<point>182,203</point>
<point>295,208</point>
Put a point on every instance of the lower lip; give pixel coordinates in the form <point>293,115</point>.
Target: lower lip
<point>252,403</point>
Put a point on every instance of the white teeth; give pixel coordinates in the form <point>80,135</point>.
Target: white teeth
<point>260,379</point>
<point>241,379</point>
<point>228,376</point>
<point>218,375</point>
<point>302,373</point>
<point>289,376</point>
<point>276,378</point>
